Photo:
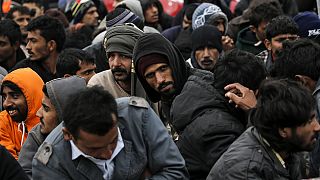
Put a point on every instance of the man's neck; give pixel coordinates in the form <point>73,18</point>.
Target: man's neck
<point>9,63</point>
<point>125,85</point>
<point>50,63</point>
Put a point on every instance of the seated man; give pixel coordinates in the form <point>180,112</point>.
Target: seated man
<point>56,94</point>
<point>73,61</point>
<point>268,149</point>
<point>21,94</point>
<point>105,139</point>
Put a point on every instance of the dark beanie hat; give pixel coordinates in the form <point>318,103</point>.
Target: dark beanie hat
<point>206,36</point>
<point>121,16</point>
<point>148,60</point>
<point>79,9</point>
<point>309,25</point>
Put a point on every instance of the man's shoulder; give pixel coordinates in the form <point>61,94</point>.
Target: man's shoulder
<point>102,78</point>
<point>22,64</point>
<point>132,101</point>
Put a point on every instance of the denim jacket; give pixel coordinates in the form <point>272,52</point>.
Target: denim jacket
<point>147,146</point>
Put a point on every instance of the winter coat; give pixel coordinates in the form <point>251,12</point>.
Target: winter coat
<point>206,122</point>
<point>31,85</point>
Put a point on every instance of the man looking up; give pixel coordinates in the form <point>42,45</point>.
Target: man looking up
<point>21,94</point>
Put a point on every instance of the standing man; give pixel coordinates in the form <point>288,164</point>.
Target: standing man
<point>268,149</point>
<point>56,95</point>
<point>206,47</point>
<point>105,139</point>
<point>21,94</point>
<point>46,37</point>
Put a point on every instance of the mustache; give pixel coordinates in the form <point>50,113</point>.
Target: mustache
<point>118,69</point>
<point>164,84</point>
<point>207,59</point>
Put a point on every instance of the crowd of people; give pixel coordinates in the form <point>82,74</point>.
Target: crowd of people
<point>226,89</point>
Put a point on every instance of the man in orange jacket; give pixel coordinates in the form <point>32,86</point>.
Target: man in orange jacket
<point>21,91</point>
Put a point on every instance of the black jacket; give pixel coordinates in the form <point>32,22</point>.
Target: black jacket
<point>207,123</point>
<point>250,158</point>
<point>9,167</point>
<point>45,75</point>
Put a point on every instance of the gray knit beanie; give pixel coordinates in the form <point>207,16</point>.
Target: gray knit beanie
<point>121,38</point>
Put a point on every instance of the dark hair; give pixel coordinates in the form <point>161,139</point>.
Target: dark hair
<point>23,10</point>
<point>281,103</point>
<point>68,61</point>
<point>91,111</point>
<point>56,13</point>
<point>241,67</point>
<point>281,25</point>
<point>39,3</point>
<point>299,57</point>
<point>10,29</point>
<point>263,12</point>
<point>12,86</point>
<point>190,10</point>
<point>50,28</point>
<point>79,38</point>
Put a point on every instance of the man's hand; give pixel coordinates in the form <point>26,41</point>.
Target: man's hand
<point>243,97</point>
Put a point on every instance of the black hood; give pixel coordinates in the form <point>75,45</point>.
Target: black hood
<point>155,43</point>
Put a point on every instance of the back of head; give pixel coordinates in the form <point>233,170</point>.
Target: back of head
<point>207,13</point>
<point>206,36</point>
<point>121,38</point>
<point>264,12</point>
<point>281,25</point>
<point>121,16</point>
<point>90,110</point>
<point>238,66</point>
<point>309,25</point>
<point>55,13</point>
<point>50,28</point>
<point>281,103</point>
<point>134,6</point>
<point>299,57</point>
<point>10,29</point>
<point>69,61</point>
<point>60,90</point>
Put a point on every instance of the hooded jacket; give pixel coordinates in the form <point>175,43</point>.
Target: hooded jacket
<point>247,41</point>
<point>59,91</point>
<point>206,122</point>
<point>156,43</point>
<point>31,85</point>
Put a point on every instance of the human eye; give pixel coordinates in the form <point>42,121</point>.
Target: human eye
<point>163,68</point>
<point>149,75</point>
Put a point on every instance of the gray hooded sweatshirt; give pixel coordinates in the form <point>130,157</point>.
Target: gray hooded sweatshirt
<point>59,91</point>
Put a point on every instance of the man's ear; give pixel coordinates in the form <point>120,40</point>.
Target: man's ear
<point>285,133</point>
<point>267,43</point>
<point>66,134</point>
<point>306,81</point>
<point>52,45</point>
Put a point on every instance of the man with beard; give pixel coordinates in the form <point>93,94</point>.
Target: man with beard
<point>21,93</point>
<point>10,39</point>
<point>56,95</point>
<point>119,80</point>
<point>206,47</point>
<point>46,36</point>
<point>161,70</point>
<point>284,123</point>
